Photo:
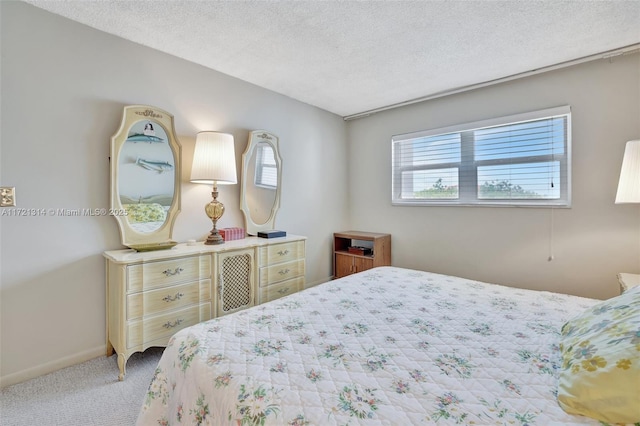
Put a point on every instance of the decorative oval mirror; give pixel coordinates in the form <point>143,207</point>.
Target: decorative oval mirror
<point>261,181</point>
<point>145,177</point>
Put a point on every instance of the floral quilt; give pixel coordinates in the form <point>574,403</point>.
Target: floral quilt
<point>387,346</point>
<point>145,212</point>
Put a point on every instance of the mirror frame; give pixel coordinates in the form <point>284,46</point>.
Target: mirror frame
<point>256,137</point>
<point>133,114</point>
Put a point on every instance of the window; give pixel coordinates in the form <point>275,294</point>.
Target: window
<point>519,160</point>
<point>266,170</point>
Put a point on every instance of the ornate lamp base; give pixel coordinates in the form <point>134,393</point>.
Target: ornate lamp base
<point>214,237</point>
<point>215,210</point>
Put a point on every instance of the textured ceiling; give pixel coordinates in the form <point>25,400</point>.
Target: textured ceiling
<point>349,57</point>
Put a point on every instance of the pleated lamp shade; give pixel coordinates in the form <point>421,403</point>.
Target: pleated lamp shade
<point>629,184</point>
<point>214,159</point>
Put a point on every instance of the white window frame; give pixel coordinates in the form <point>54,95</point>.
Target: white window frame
<point>468,167</point>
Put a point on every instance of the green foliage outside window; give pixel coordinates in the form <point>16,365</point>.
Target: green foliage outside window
<point>504,189</point>
<point>493,190</point>
<point>438,190</point>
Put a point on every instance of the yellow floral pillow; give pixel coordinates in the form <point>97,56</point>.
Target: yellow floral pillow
<point>600,375</point>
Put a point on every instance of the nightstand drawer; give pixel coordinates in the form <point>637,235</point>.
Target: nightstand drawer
<point>167,298</point>
<point>159,274</point>
<point>278,253</point>
<point>282,271</point>
<point>166,325</point>
<point>281,289</point>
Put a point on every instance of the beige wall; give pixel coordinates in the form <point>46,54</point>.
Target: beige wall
<point>63,89</point>
<point>591,242</point>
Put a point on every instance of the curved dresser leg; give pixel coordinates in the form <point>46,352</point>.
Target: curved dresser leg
<point>122,361</point>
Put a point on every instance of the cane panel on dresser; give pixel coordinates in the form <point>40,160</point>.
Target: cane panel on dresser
<point>235,281</point>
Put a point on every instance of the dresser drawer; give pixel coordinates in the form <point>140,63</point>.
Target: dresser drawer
<point>281,289</point>
<point>164,326</point>
<point>150,275</point>
<point>284,252</point>
<point>167,298</point>
<point>270,275</point>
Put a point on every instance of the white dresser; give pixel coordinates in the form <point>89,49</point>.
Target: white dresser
<point>152,295</point>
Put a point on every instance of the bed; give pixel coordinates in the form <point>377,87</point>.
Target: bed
<point>387,346</point>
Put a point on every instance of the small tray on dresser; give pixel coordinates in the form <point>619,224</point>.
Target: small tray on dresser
<point>164,245</point>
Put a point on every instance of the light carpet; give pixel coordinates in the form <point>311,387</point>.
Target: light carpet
<point>85,394</point>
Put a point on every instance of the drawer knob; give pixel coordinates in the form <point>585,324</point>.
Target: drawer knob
<point>284,290</point>
<point>170,298</point>
<point>283,252</point>
<point>170,324</point>
<point>284,271</point>
<point>170,273</point>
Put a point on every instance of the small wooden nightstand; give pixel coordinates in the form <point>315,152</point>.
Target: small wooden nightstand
<point>627,281</point>
<point>347,263</point>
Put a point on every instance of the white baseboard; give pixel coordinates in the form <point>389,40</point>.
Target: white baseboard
<point>50,367</point>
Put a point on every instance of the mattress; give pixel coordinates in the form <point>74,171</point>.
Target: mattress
<point>386,346</point>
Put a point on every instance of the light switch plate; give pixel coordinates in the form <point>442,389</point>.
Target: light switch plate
<point>7,196</point>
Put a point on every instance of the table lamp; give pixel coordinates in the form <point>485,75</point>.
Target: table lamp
<point>214,162</point>
<point>629,184</point>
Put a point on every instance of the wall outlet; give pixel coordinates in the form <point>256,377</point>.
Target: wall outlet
<point>7,196</point>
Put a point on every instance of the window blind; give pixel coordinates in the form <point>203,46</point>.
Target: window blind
<point>266,170</point>
<point>518,160</point>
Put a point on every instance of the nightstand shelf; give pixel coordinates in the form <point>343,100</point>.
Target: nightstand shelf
<point>347,263</point>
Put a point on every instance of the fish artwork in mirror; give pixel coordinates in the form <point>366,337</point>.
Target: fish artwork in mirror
<point>145,177</point>
<point>261,182</point>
